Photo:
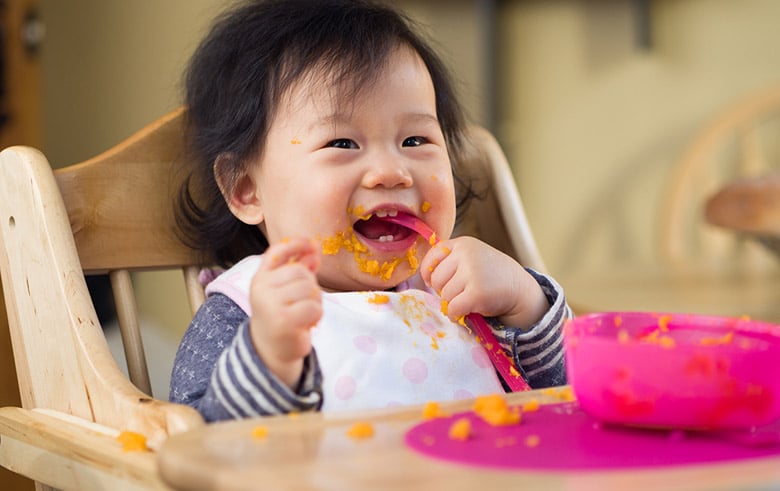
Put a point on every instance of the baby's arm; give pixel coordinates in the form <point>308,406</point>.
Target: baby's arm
<point>218,372</point>
<point>286,304</point>
<point>538,350</point>
<point>526,309</point>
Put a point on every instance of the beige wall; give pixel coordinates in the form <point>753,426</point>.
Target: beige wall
<point>591,121</point>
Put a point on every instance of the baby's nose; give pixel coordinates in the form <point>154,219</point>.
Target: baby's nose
<point>387,172</point>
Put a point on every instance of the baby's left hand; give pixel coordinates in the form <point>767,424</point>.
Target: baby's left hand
<point>474,277</point>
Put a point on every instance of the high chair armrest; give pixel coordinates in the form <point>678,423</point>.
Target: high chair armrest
<point>69,453</point>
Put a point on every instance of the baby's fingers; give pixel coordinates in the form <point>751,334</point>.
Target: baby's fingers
<point>431,263</point>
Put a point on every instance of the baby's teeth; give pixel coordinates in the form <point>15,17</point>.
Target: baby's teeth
<point>392,213</point>
<point>381,214</point>
<point>386,238</point>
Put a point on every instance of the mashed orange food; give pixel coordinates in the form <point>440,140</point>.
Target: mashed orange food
<point>349,242</point>
<point>460,430</point>
<point>495,411</point>
<point>361,430</point>
<point>132,441</point>
<point>259,432</point>
<point>432,410</point>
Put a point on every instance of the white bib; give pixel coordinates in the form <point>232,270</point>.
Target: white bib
<point>379,349</point>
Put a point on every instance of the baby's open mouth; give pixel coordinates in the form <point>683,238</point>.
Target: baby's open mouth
<point>377,227</point>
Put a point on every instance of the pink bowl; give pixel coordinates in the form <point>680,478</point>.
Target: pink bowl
<point>675,370</point>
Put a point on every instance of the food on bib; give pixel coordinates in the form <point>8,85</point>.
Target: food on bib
<point>132,441</point>
<point>445,305</point>
<point>379,298</point>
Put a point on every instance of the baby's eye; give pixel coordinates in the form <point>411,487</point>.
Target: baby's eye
<point>414,141</point>
<point>343,143</point>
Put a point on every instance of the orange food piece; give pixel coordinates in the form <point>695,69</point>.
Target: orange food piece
<point>663,323</point>
<point>460,430</point>
<point>495,411</point>
<point>666,342</point>
<point>530,406</point>
<point>432,410</point>
<point>361,430</point>
<point>532,441</point>
<point>566,394</point>
<point>445,305</point>
<point>623,336</point>
<point>425,207</point>
<point>725,339</point>
<point>411,258</point>
<point>132,441</point>
<point>379,298</point>
<point>259,432</point>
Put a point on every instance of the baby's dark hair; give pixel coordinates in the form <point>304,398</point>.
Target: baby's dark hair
<point>234,83</point>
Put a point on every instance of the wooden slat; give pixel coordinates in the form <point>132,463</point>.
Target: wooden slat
<point>119,202</point>
<point>68,456</point>
<point>130,329</point>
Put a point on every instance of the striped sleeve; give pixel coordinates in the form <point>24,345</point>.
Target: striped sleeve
<point>538,351</point>
<point>241,386</point>
<point>218,372</point>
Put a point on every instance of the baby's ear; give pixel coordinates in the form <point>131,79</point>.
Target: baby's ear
<point>239,189</point>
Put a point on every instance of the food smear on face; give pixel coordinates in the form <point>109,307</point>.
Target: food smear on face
<point>349,242</point>
<point>359,212</point>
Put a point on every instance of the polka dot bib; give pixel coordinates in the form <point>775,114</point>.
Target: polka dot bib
<point>379,349</point>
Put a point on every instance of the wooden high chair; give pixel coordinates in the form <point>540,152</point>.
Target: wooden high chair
<point>113,213</point>
<point>108,214</point>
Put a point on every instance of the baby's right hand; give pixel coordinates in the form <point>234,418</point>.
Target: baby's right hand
<point>286,303</point>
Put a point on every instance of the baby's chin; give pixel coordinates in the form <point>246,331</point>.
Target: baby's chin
<point>356,281</point>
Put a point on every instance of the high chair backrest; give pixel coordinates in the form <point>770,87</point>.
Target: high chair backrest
<point>499,218</point>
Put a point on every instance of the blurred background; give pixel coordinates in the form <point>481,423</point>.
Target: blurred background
<point>594,102</point>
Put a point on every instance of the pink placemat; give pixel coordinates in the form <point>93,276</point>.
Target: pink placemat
<point>562,437</point>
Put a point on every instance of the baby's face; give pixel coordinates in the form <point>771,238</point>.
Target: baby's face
<point>329,164</point>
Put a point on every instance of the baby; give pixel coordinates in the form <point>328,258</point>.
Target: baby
<point>310,122</point>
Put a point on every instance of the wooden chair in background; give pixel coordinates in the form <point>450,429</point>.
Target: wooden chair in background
<point>742,142</point>
<point>113,214</point>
